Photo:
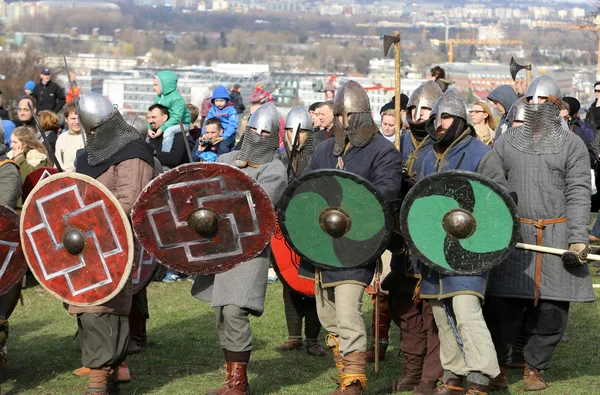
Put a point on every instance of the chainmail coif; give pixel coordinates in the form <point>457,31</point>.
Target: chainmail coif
<point>361,130</point>
<point>542,133</point>
<point>109,138</point>
<point>257,150</point>
<point>303,155</point>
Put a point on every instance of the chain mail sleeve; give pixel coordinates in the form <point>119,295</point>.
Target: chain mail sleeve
<point>577,190</point>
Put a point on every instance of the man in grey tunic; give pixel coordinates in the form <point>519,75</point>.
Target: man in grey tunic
<point>239,292</point>
<point>548,172</point>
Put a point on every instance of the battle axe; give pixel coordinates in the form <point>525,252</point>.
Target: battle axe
<point>515,68</point>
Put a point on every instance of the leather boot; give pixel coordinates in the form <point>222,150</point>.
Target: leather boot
<point>383,346</point>
<point>290,345</point>
<point>112,384</point>
<point>450,387</point>
<point>137,331</point>
<point>532,379</point>
<point>239,379</point>
<point>411,376</point>
<point>228,382</point>
<point>123,374</point>
<point>425,388</point>
<point>333,344</point>
<point>477,389</point>
<point>354,388</point>
<point>517,359</point>
<point>314,349</point>
<point>500,382</point>
<point>99,381</point>
<point>353,380</point>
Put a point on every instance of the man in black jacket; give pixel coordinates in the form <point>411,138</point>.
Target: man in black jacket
<point>48,94</point>
<point>157,116</point>
<point>3,111</point>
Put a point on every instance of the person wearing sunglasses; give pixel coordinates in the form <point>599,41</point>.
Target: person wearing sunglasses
<point>484,123</point>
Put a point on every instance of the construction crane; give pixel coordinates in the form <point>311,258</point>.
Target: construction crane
<point>565,26</point>
<point>462,41</point>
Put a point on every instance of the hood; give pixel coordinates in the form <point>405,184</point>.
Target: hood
<point>504,95</point>
<point>168,81</point>
<point>220,92</point>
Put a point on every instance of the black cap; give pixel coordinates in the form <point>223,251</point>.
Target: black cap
<point>574,105</point>
<point>314,106</point>
<point>46,71</point>
<point>391,105</point>
<point>237,86</point>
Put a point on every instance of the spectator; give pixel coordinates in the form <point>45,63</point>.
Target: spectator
<point>388,125</point>
<point>438,75</point>
<point>592,118</point>
<point>50,126</point>
<point>9,179</point>
<point>391,105</point>
<point>71,141</point>
<point>48,94</point>
<point>72,92</point>
<point>27,151</point>
<point>259,94</point>
<point>315,119</point>
<point>237,100</point>
<point>194,132</point>
<point>28,88</point>
<point>23,112</point>
<point>9,126</point>
<point>165,86</point>
<point>503,98</point>
<point>324,112</point>
<point>3,111</point>
<point>205,106</point>
<point>207,147</point>
<point>483,121</point>
<point>158,115</point>
<point>224,111</point>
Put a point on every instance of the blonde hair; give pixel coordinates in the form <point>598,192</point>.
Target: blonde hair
<point>29,141</point>
<point>486,108</point>
<point>390,112</point>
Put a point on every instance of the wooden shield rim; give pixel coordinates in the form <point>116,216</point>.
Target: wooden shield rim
<point>186,168</point>
<point>437,177</point>
<point>128,232</point>
<point>18,222</point>
<point>289,192</point>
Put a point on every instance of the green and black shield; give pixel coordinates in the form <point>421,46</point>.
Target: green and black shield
<point>459,222</point>
<point>335,219</point>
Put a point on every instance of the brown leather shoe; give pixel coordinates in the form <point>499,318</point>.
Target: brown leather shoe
<point>517,360</point>
<point>228,384</point>
<point>314,349</point>
<point>450,387</point>
<point>500,382</point>
<point>239,380</point>
<point>290,345</point>
<point>134,346</point>
<point>425,388</point>
<point>477,389</point>
<point>354,388</point>
<point>82,371</point>
<point>371,353</point>
<point>532,380</point>
<point>123,375</point>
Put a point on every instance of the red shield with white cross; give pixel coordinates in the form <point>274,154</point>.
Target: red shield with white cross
<point>203,218</point>
<point>12,262</point>
<point>39,174</point>
<point>144,267</point>
<point>77,239</point>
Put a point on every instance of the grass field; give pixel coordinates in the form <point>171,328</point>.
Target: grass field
<point>183,356</point>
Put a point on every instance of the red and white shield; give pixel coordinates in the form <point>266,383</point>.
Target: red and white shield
<point>144,267</point>
<point>241,210</point>
<point>39,174</point>
<point>12,261</point>
<point>77,239</point>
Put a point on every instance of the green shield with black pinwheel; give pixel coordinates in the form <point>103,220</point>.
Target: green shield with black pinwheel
<point>335,219</point>
<point>459,222</point>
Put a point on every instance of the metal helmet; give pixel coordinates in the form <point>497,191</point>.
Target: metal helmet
<point>139,123</point>
<point>297,119</point>
<point>516,112</point>
<point>424,96</point>
<point>449,103</point>
<point>350,98</point>
<point>265,118</point>
<point>93,109</point>
<point>544,86</point>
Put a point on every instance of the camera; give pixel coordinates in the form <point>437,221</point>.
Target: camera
<point>205,142</point>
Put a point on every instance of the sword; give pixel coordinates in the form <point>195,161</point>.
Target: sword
<point>73,90</point>
<point>377,297</point>
<point>39,129</point>
<point>187,146</point>
<point>293,153</point>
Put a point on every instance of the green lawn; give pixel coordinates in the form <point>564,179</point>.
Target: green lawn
<point>183,356</point>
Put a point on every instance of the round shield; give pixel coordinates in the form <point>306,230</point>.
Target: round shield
<point>287,263</point>
<point>13,266</point>
<point>459,222</point>
<point>143,270</point>
<point>34,177</point>
<point>77,239</point>
<point>335,219</point>
<point>10,300</point>
<point>203,218</point>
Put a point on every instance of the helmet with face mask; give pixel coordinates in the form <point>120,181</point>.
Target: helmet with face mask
<point>448,105</point>
<point>257,149</point>
<point>516,112</point>
<point>424,96</point>
<point>543,132</point>
<point>106,130</point>
<point>350,98</point>
<point>297,119</point>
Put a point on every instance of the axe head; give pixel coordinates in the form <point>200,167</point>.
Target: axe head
<point>387,43</point>
<point>515,68</point>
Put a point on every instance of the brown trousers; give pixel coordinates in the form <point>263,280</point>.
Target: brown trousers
<point>419,339</point>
